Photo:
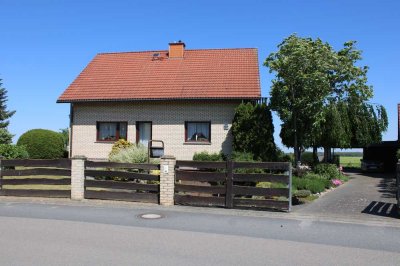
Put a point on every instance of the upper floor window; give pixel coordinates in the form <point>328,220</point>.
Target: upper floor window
<point>111,131</point>
<point>198,131</point>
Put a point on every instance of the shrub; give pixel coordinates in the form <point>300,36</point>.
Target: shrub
<point>120,144</point>
<point>131,154</point>
<point>253,131</point>
<point>327,170</point>
<point>302,193</point>
<point>205,156</point>
<point>42,144</point>
<point>315,185</point>
<point>9,151</point>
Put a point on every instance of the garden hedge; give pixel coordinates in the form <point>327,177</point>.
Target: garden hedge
<point>42,144</point>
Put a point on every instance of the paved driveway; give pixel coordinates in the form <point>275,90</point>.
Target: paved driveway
<point>366,196</point>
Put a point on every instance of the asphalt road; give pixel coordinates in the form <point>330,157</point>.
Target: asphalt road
<point>60,234</point>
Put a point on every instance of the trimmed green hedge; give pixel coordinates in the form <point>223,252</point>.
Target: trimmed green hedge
<point>42,144</point>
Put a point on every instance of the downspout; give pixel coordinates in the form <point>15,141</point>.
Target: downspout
<point>71,122</point>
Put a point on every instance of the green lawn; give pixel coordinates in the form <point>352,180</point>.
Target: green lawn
<point>348,161</point>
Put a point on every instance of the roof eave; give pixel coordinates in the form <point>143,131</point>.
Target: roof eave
<point>158,99</point>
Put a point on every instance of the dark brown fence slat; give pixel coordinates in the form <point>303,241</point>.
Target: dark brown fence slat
<point>201,189</point>
<point>36,181</point>
<point>201,164</point>
<point>62,163</point>
<point>258,191</point>
<point>199,201</point>
<point>264,165</point>
<point>36,193</point>
<point>128,175</point>
<point>261,178</point>
<point>268,204</point>
<point>37,171</point>
<point>199,176</point>
<point>122,165</point>
<point>121,185</point>
<point>123,196</point>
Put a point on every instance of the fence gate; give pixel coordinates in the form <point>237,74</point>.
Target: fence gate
<point>122,181</point>
<point>264,185</point>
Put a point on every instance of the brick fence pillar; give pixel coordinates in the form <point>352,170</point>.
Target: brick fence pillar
<point>167,180</point>
<point>78,177</point>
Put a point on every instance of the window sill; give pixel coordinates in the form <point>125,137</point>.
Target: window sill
<point>196,143</point>
<point>106,141</point>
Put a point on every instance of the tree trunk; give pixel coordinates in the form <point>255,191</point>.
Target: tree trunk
<point>327,155</point>
<point>315,154</point>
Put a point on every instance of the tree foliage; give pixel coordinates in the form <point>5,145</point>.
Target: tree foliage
<point>252,131</point>
<point>321,96</point>
<point>5,136</point>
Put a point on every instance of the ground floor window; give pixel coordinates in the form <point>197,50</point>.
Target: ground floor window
<point>143,132</point>
<point>198,131</point>
<point>111,131</point>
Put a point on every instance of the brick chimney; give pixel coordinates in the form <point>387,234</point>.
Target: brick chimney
<point>176,49</point>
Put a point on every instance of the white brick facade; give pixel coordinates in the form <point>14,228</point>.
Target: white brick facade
<point>168,124</point>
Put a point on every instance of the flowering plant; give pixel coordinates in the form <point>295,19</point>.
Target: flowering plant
<point>337,182</point>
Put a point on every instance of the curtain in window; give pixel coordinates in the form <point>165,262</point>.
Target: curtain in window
<point>108,131</point>
<point>122,131</point>
<point>198,131</point>
<point>144,133</point>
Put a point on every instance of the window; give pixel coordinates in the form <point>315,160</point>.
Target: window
<point>111,131</point>
<point>198,131</point>
<point>143,132</point>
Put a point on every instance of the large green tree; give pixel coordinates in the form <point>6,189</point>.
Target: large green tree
<point>5,135</point>
<point>300,88</point>
<point>321,96</point>
<point>253,131</point>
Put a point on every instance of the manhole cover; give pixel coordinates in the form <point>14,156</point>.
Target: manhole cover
<point>150,216</point>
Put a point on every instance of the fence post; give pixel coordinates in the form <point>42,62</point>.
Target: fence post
<point>229,185</point>
<point>78,177</point>
<point>167,180</point>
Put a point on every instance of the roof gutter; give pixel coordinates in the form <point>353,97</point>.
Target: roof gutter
<point>158,99</point>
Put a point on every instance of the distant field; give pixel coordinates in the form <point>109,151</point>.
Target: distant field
<point>347,161</point>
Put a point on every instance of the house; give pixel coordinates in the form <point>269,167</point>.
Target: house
<point>186,98</point>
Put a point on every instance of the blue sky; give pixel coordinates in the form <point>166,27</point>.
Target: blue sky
<point>44,45</point>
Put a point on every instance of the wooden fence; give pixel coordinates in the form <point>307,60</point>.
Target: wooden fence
<point>122,181</point>
<point>55,175</point>
<point>234,184</point>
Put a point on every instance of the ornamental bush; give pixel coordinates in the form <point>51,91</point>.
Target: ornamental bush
<point>131,154</point>
<point>42,144</point>
<point>120,144</point>
<point>315,185</point>
<point>9,151</point>
<point>329,171</point>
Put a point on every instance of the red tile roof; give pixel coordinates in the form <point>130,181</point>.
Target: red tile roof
<point>201,74</point>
